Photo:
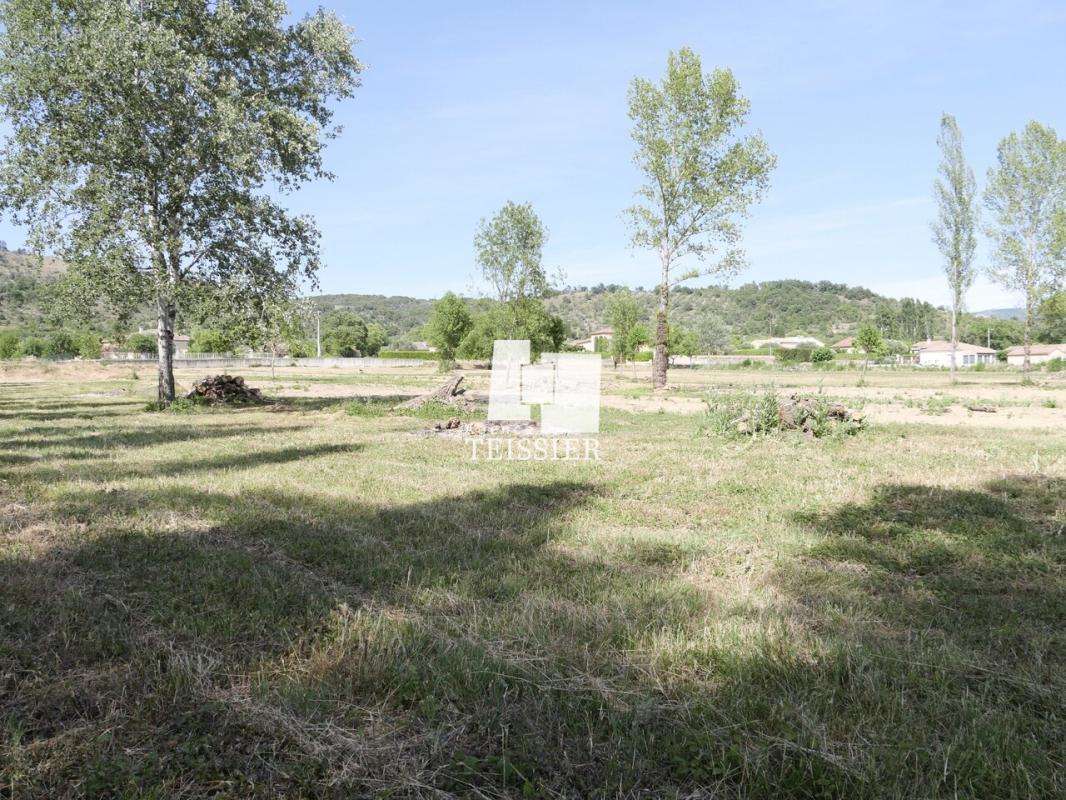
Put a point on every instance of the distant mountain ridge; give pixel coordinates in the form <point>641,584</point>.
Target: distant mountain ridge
<point>1001,313</point>
<point>822,309</point>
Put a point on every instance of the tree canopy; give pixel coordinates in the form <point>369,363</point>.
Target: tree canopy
<point>701,175</point>
<point>1026,199</point>
<point>143,137</point>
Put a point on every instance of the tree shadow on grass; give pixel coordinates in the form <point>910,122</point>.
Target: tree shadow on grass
<point>74,445</point>
<point>954,599</point>
<point>504,663</point>
<point>976,567</point>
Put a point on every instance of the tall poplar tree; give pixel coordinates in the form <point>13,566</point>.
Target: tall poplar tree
<point>955,226</point>
<point>701,176</point>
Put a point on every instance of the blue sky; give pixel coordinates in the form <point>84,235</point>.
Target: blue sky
<point>465,105</point>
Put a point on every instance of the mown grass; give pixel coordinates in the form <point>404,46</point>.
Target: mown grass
<point>297,601</point>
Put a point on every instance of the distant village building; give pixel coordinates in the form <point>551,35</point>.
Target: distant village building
<point>937,353</point>
<point>423,346</point>
<point>788,342</point>
<point>1038,354</point>
<point>589,342</point>
<point>845,345</point>
<point>181,345</point>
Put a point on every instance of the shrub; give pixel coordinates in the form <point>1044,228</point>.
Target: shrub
<point>141,343</point>
<point>61,344</point>
<point>726,409</point>
<point>9,344</point>
<point>1056,365</point>
<point>181,405</point>
<point>796,355</point>
<point>33,346</point>
<point>750,414</point>
<point>208,340</point>
<point>89,345</point>
<point>822,355</point>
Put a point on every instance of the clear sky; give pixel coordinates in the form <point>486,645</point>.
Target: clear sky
<point>465,105</point>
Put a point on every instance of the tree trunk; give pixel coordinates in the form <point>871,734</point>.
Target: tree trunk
<point>165,347</point>
<point>662,330</point>
<point>954,339</point>
<point>1028,318</point>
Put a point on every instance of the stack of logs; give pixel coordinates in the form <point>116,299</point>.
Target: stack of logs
<point>224,389</point>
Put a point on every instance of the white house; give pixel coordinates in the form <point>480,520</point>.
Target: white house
<point>589,342</point>
<point>937,353</point>
<point>1038,354</point>
<point>845,345</point>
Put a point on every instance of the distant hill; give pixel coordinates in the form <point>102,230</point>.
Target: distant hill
<point>1001,313</point>
<point>24,282</point>
<point>823,309</point>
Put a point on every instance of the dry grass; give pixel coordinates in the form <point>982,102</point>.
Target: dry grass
<point>302,602</point>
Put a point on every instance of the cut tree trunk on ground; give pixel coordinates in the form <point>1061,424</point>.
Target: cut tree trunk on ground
<point>449,394</point>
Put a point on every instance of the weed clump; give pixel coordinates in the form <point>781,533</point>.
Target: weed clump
<point>754,414</point>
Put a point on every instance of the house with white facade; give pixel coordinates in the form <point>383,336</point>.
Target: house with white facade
<point>589,342</point>
<point>1038,354</point>
<point>937,353</point>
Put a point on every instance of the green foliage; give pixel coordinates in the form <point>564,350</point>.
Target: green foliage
<point>141,343</point>
<point>822,355</point>
<point>681,341</point>
<point>1026,198</point>
<point>343,334</point>
<point>372,407</point>
<point>144,136</point>
<point>9,344</point>
<point>701,174</point>
<point>61,344</point>
<point>794,355</point>
<point>89,344</point>
<point>869,341</point>
<point>33,346</point>
<point>954,229</point>
<point>760,411</point>
<point>508,250</point>
<point>1002,333</point>
<point>376,338</point>
<point>749,413</point>
<point>210,340</point>
<point>302,348</point>
<point>449,323</point>
<point>180,405</point>
<point>624,315</point>
<point>527,319</point>
<point>1052,319</point>
<point>1055,365</point>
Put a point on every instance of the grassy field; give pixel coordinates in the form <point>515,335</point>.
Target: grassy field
<point>297,601</point>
